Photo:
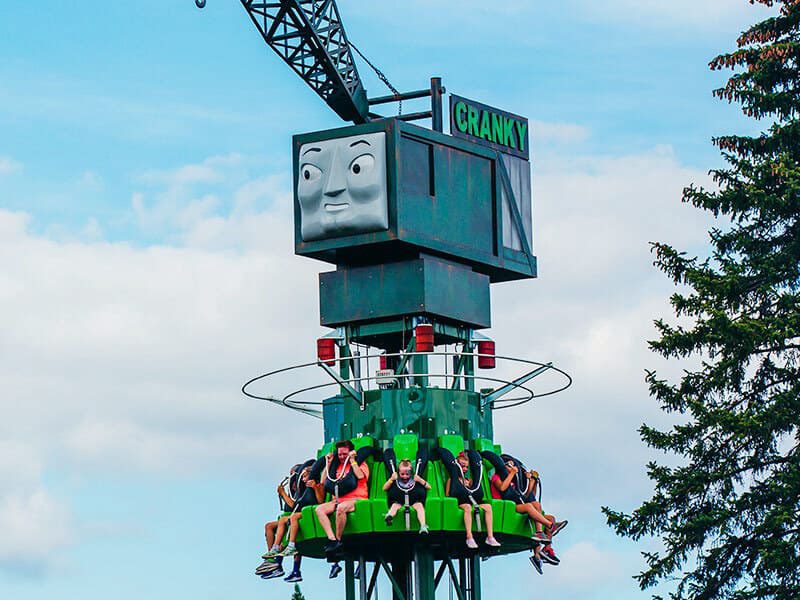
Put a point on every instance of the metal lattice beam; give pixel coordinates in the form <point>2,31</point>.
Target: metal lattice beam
<point>309,36</point>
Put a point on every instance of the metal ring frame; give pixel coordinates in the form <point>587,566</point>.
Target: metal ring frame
<point>303,406</point>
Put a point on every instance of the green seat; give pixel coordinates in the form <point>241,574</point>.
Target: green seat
<point>405,446</point>
<point>326,449</point>
<point>482,444</point>
<point>515,523</point>
<point>309,528</point>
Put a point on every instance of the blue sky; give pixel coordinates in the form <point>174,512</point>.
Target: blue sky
<point>147,270</point>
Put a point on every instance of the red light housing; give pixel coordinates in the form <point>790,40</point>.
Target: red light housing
<point>424,337</point>
<point>383,362</point>
<point>326,351</point>
<point>486,347</point>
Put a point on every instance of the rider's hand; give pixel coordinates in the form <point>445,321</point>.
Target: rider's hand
<point>352,455</point>
<point>393,477</point>
<point>513,470</point>
<point>329,457</point>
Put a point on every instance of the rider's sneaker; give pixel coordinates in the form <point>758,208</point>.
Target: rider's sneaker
<point>541,537</point>
<point>558,526</point>
<point>294,577</point>
<point>537,563</point>
<point>271,553</point>
<point>424,529</point>
<point>274,574</point>
<point>490,541</point>
<point>290,550</point>
<point>471,543</point>
<point>549,556</point>
<point>388,519</point>
<point>266,567</point>
<point>335,570</point>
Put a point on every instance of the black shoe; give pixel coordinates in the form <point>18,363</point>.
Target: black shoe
<point>388,519</point>
<point>537,563</point>
<point>335,570</point>
<point>275,573</point>
<point>333,546</point>
<point>549,556</point>
<point>294,577</point>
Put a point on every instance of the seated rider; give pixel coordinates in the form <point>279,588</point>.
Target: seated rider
<point>405,488</point>
<point>469,494</point>
<point>509,488</point>
<point>302,492</point>
<point>347,472</point>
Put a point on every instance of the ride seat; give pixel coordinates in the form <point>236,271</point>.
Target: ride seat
<point>444,514</point>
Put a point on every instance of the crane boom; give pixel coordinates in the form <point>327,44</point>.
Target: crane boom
<point>309,36</point>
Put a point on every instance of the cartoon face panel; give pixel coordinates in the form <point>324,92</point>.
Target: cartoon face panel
<point>341,187</point>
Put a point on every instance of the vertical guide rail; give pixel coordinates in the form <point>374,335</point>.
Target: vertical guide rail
<point>424,579</point>
<point>349,580</point>
<point>437,113</point>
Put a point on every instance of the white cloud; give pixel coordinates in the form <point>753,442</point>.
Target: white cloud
<point>560,133</point>
<point>9,165</point>
<point>34,527</point>
<point>34,524</point>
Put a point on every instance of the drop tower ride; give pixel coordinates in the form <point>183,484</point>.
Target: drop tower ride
<point>418,224</point>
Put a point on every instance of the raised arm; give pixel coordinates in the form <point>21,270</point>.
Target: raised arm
<point>533,483</point>
<point>422,482</point>
<point>357,470</point>
<point>285,497</point>
<point>389,482</point>
<point>512,471</point>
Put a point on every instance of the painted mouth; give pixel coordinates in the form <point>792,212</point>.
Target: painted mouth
<point>337,207</point>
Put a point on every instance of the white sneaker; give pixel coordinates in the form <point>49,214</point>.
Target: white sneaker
<point>490,541</point>
<point>471,543</point>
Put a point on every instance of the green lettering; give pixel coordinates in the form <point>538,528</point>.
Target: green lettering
<point>522,129</point>
<point>509,137</point>
<point>497,128</point>
<point>472,121</point>
<point>461,117</point>
<point>486,129</point>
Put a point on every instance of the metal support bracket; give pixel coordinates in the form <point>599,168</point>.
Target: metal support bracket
<point>357,396</point>
<point>500,392</point>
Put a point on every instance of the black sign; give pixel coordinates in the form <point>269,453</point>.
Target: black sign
<point>498,129</point>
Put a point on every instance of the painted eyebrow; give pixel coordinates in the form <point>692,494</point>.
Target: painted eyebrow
<point>312,150</point>
<point>357,142</point>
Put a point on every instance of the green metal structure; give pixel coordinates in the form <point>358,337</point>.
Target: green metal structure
<point>418,225</point>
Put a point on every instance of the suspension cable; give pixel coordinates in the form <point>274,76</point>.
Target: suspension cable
<point>381,76</point>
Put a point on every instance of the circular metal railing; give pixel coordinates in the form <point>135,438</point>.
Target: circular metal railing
<point>353,386</point>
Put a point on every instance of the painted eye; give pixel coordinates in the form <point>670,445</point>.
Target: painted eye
<point>362,164</point>
<point>309,172</point>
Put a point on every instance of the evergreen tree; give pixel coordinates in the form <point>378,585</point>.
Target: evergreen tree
<point>728,518</point>
<point>298,595</point>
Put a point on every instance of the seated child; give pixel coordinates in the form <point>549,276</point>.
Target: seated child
<point>469,494</point>
<point>403,489</point>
